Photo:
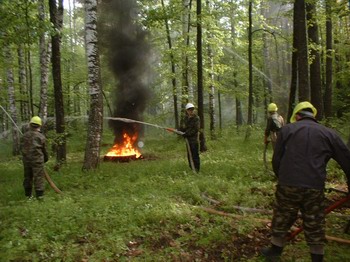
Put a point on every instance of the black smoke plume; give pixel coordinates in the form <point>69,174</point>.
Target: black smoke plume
<point>129,56</point>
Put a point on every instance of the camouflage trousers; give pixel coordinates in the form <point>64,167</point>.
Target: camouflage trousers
<point>311,204</point>
<point>34,173</point>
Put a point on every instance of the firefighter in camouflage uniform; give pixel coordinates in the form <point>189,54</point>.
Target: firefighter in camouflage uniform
<point>273,125</point>
<point>34,155</point>
<point>191,133</point>
<point>303,149</point>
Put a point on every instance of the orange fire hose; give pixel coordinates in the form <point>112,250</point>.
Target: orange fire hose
<point>51,183</point>
<point>327,210</point>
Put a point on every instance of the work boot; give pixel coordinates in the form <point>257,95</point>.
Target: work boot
<point>28,192</point>
<point>316,258</point>
<point>39,194</point>
<point>272,253</point>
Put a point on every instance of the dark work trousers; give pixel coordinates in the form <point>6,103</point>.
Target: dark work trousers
<point>194,148</point>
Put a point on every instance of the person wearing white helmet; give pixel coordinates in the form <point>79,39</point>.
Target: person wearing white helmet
<point>190,128</point>
<point>273,125</point>
<point>34,155</point>
<point>303,149</point>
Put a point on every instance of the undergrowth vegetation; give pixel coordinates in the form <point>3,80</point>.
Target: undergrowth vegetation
<point>154,209</point>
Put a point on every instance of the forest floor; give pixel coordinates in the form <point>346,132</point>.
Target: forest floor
<point>155,209</point>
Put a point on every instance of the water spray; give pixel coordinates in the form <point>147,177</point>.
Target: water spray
<point>11,120</point>
<point>131,121</point>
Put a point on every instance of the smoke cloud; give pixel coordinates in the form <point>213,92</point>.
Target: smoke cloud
<point>129,57</point>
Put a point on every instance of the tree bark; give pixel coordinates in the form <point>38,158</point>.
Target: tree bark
<point>185,82</point>
<point>329,62</point>
<point>301,44</point>
<point>294,71</point>
<point>212,116</point>
<point>203,146</point>
<point>250,66</point>
<point>22,81</point>
<point>44,64</point>
<point>315,66</point>
<point>56,17</point>
<point>92,149</point>
<point>12,102</point>
<point>173,67</point>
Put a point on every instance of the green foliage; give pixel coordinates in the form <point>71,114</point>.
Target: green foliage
<point>145,210</point>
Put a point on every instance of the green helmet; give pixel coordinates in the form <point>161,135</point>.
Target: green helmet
<point>272,107</point>
<point>36,120</point>
<point>301,106</point>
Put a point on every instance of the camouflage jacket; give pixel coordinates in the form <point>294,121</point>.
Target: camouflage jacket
<point>191,128</point>
<point>33,147</point>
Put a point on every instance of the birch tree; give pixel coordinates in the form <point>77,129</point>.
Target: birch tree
<point>44,60</point>
<point>12,101</point>
<point>92,149</point>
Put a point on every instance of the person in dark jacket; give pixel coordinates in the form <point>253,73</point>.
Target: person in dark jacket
<point>191,132</point>
<point>34,155</point>
<point>273,124</point>
<point>303,149</point>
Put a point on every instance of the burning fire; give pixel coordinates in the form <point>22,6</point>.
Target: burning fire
<point>126,148</point>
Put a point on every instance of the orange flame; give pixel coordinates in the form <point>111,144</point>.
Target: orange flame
<point>126,148</point>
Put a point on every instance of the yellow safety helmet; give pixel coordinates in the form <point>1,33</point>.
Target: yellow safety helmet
<point>301,106</point>
<point>272,107</point>
<point>36,120</point>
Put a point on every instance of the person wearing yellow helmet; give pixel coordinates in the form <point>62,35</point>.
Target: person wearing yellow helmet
<point>302,151</point>
<point>273,125</point>
<point>34,155</point>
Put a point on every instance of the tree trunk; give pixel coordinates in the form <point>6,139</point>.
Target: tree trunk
<point>12,102</point>
<point>44,64</point>
<point>203,146</point>
<point>315,67</point>
<point>329,62</point>
<point>56,17</point>
<point>173,70</point>
<point>212,116</point>
<point>294,71</point>
<point>22,81</point>
<point>301,44</point>
<point>250,65</point>
<point>92,149</point>
<point>185,82</point>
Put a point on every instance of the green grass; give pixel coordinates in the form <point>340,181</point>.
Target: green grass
<point>148,210</point>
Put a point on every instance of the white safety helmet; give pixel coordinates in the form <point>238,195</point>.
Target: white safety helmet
<point>189,105</point>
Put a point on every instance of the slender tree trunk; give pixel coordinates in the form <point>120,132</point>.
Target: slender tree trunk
<point>203,146</point>
<point>301,44</point>
<point>12,101</point>
<point>22,81</point>
<point>294,71</point>
<point>250,65</point>
<point>212,116</point>
<point>56,17</point>
<point>315,67</point>
<point>329,62</point>
<point>44,53</point>
<point>185,82</point>
<point>173,70</point>
<point>92,149</point>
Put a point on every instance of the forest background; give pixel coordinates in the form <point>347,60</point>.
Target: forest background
<point>79,63</point>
